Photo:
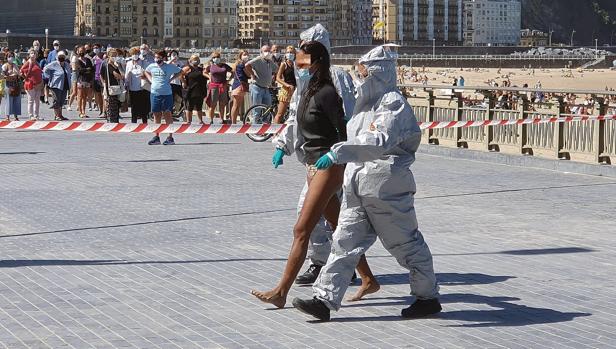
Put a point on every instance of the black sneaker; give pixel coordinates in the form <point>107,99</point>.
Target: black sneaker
<point>169,141</point>
<point>154,141</point>
<point>422,308</point>
<point>310,276</point>
<point>313,307</point>
<point>354,278</point>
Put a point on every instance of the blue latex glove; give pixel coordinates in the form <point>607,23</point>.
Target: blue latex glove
<point>326,161</point>
<point>277,158</point>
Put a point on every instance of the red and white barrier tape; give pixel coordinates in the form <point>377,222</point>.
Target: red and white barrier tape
<point>479,123</point>
<point>139,128</point>
<point>258,129</point>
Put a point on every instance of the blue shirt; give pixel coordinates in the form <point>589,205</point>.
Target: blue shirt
<point>57,74</point>
<point>161,77</point>
<point>52,56</point>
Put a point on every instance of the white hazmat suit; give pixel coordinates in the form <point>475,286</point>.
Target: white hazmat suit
<point>290,141</point>
<point>378,188</point>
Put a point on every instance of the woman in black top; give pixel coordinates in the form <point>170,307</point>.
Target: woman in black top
<point>320,121</point>
<point>286,79</point>
<point>195,83</point>
<point>85,78</point>
<point>112,78</point>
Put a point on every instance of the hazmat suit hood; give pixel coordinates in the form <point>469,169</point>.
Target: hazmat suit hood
<point>317,33</point>
<point>381,65</point>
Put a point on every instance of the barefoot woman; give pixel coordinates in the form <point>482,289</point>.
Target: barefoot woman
<point>320,122</point>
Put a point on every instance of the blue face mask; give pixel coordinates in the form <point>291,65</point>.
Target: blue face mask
<point>304,74</point>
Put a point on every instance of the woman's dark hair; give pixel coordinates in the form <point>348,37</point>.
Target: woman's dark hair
<point>162,54</point>
<point>319,57</point>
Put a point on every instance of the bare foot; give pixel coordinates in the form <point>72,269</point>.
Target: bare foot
<point>274,297</point>
<point>365,289</point>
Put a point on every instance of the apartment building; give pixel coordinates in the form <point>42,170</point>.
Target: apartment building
<point>492,22</point>
<point>418,22</point>
<point>281,21</point>
<point>170,23</point>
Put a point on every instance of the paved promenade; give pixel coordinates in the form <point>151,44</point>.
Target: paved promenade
<point>106,242</point>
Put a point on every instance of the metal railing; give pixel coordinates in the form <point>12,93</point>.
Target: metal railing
<point>425,56</point>
<point>592,141</point>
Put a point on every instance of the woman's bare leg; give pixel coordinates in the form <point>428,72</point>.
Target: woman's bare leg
<point>200,116</point>
<point>235,107</point>
<point>320,200</point>
<point>369,284</point>
<point>282,108</point>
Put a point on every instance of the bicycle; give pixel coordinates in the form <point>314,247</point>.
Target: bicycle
<point>263,114</point>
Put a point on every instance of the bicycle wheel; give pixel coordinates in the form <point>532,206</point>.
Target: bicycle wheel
<point>259,114</point>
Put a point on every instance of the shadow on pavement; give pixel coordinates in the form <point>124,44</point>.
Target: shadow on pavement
<point>528,252</point>
<point>23,153</point>
<point>16,263</point>
<point>504,313</point>
<point>150,222</point>
<point>448,279</point>
<point>513,190</point>
<point>161,160</point>
<point>558,250</point>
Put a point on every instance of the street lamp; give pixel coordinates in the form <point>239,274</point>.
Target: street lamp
<point>433,48</point>
<point>572,32</point>
<point>141,40</point>
<point>46,38</point>
<point>596,48</point>
<point>551,32</point>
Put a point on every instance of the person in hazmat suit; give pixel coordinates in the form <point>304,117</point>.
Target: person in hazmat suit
<point>378,192</point>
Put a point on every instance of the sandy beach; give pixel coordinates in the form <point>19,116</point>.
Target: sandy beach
<point>549,78</point>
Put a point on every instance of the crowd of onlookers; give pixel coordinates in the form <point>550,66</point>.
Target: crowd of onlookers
<point>156,84</point>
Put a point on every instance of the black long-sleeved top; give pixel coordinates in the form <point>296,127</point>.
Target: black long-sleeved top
<point>321,122</point>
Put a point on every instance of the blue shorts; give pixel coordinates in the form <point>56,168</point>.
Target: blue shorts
<point>161,104</point>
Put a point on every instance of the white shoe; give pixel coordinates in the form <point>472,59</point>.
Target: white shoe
<point>69,108</point>
<point>32,118</point>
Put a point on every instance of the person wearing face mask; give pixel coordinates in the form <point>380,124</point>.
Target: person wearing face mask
<point>378,190</point>
<point>138,96</point>
<point>176,84</point>
<point>289,141</point>
<point>112,76</point>
<point>58,75</point>
<point>160,75</point>
<point>97,86</point>
<point>320,121</point>
<point>240,84</point>
<point>85,79</point>
<point>53,55</point>
<point>42,63</point>
<point>146,54</point>
<point>218,88</point>
<point>74,60</point>
<point>12,77</point>
<point>33,75</point>
<point>277,57</point>
<point>286,80</point>
<point>261,70</point>
<point>195,83</point>
<point>36,46</point>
